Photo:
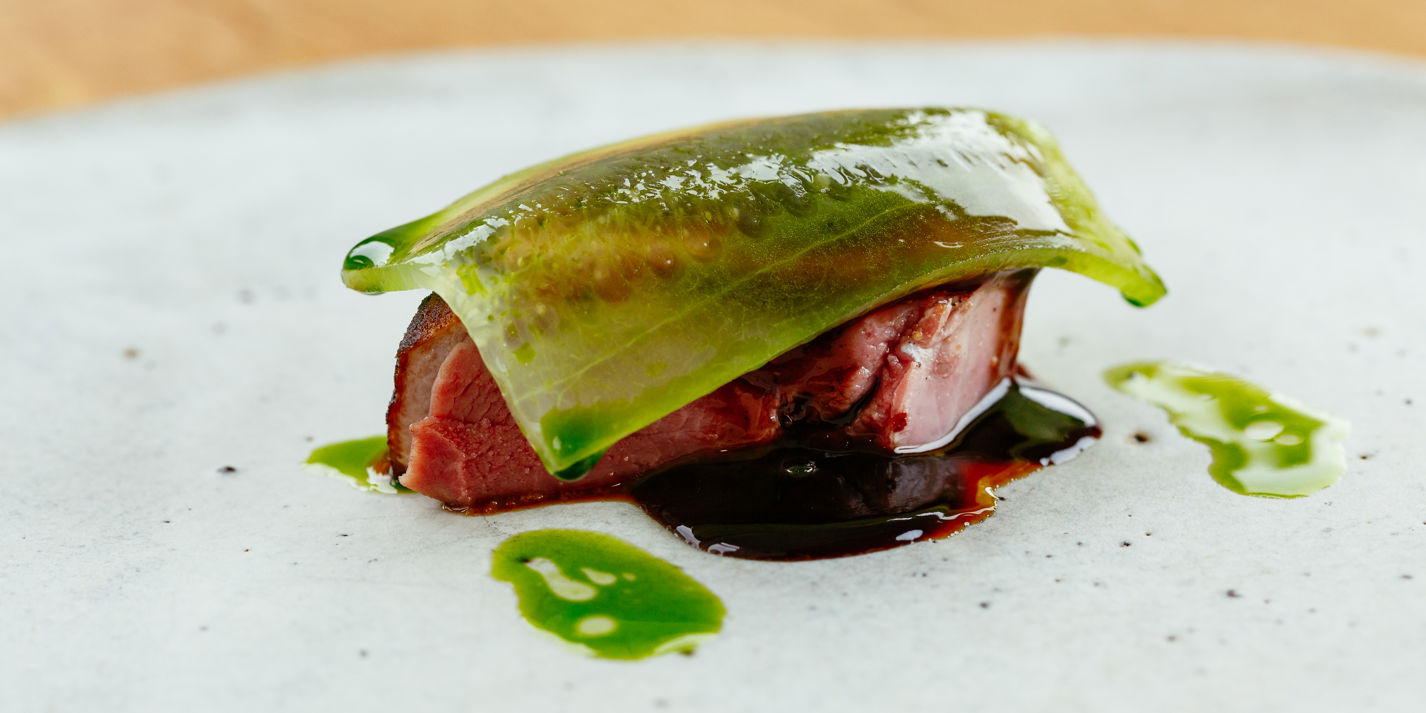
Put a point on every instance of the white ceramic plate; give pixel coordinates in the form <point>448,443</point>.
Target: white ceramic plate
<point>1281,193</point>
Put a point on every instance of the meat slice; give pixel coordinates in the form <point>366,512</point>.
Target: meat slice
<point>901,377</point>
<point>826,379</point>
<point>957,350</point>
<point>469,453</point>
<point>432,334</point>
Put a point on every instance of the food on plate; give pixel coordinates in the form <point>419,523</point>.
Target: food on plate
<point>845,282</point>
<point>901,376</point>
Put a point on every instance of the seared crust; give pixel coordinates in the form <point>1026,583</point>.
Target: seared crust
<point>432,319</point>
<point>434,331</point>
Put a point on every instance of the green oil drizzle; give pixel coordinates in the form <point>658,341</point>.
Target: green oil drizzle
<point>361,461</point>
<point>604,595</point>
<point>1262,443</point>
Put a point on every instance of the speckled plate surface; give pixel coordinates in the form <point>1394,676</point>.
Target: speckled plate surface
<point>172,306</point>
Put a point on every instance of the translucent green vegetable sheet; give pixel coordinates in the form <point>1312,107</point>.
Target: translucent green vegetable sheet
<point>608,288</point>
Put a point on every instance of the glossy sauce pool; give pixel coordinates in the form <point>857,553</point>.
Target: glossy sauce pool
<point>805,498</point>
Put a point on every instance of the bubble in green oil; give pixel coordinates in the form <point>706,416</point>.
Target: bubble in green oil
<point>604,595</point>
<point>361,461</point>
<point>1262,443</point>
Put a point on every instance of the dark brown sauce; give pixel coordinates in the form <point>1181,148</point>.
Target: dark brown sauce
<point>808,498</point>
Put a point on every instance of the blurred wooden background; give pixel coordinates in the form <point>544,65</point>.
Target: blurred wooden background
<point>58,53</point>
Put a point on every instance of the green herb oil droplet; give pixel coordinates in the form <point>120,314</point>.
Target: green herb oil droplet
<point>362,461</point>
<point>1262,443</point>
<point>604,595</point>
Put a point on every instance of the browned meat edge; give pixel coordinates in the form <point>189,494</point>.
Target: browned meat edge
<point>434,331</point>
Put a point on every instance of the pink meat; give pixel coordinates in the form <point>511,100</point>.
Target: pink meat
<point>902,377</point>
<point>959,348</point>
<point>469,453</point>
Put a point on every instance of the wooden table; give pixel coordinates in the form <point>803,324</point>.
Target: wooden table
<point>59,53</point>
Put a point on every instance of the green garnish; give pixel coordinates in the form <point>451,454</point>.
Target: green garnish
<point>604,595</point>
<point>1262,443</point>
<point>607,289</point>
<point>357,462</point>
